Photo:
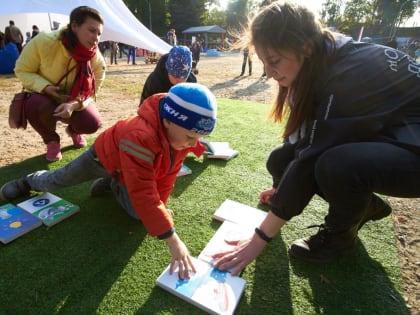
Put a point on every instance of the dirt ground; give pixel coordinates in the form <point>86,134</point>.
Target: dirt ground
<point>220,74</point>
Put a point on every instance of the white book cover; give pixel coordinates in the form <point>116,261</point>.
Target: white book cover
<point>239,213</point>
<point>212,290</point>
<point>225,239</point>
<point>219,150</point>
<point>50,208</point>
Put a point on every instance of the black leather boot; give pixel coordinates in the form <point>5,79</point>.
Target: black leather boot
<point>326,245</point>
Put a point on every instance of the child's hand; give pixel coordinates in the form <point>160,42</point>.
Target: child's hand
<point>180,257</point>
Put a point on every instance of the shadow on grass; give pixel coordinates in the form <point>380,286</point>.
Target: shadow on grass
<point>197,165</point>
<point>356,284</point>
<point>71,267</point>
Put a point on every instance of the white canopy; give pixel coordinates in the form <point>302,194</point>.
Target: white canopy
<point>120,24</point>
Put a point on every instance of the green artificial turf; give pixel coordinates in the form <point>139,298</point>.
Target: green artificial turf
<point>100,261</point>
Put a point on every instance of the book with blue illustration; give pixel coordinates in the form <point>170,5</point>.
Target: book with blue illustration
<point>210,289</point>
<point>50,208</point>
<point>14,222</point>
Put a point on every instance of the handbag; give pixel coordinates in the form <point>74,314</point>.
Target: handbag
<point>17,116</point>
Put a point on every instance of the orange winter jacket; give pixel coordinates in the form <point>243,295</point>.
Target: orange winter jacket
<point>138,150</point>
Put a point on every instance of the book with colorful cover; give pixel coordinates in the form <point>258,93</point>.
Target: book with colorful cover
<point>237,212</point>
<point>219,150</point>
<point>185,170</point>
<point>50,208</point>
<point>210,289</point>
<point>14,222</point>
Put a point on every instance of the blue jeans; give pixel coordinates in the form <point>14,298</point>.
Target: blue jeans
<point>347,176</point>
<point>84,168</point>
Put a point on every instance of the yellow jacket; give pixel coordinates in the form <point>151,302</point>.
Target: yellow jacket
<point>45,60</point>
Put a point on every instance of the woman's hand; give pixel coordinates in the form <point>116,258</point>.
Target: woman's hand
<point>65,110</point>
<point>241,256</point>
<point>180,257</point>
<point>266,195</point>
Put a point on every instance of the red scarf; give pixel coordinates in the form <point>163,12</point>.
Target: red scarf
<point>84,81</point>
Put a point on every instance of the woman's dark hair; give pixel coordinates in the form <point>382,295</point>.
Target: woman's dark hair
<point>79,16</point>
<point>293,28</point>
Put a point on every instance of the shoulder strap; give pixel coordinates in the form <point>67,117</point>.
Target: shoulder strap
<point>65,75</point>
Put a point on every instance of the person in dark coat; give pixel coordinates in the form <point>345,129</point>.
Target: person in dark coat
<point>172,68</point>
<point>349,141</point>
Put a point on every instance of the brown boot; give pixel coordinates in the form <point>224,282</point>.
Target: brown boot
<point>325,246</point>
<point>377,210</point>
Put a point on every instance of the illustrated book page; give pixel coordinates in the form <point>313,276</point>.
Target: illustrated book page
<point>225,239</point>
<point>50,208</point>
<point>212,290</point>
<point>15,222</point>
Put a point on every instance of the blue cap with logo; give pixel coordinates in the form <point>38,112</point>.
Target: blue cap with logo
<point>191,106</point>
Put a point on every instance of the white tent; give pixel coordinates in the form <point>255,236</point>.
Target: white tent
<point>120,24</point>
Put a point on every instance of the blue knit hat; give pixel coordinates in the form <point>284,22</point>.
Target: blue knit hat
<point>179,62</point>
<point>191,106</point>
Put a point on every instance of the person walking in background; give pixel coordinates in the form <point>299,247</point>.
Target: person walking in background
<point>171,69</point>
<point>114,49</point>
<point>28,38</point>
<point>131,54</point>
<point>138,159</point>
<point>14,35</point>
<point>35,31</point>
<point>247,58</point>
<point>196,51</point>
<point>64,70</point>
<point>343,141</point>
<point>171,36</point>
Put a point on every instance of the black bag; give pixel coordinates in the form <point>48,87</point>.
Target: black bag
<point>17,116</point>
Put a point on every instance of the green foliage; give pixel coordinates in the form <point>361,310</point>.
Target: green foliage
<point>100,261</point>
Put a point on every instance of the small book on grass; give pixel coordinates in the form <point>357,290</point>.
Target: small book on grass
<point>50,208</point>
<point>239,213</point>
<point>210,289</point>
<point>219,150</point>
<point>15,222</point>
<point>185,170</point>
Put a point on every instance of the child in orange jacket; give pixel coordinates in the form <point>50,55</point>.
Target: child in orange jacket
<point>138,159</point>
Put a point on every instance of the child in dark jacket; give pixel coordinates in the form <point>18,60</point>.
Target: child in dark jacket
<point>172,68</point>
<point>138,159</point>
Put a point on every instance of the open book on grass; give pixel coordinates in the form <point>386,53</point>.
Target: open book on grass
<point>237,212</point>
<point>50,208</point>
<point>219,150</point>
<point>15,222</point>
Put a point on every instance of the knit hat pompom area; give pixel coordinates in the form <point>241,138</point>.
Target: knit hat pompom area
<point>191,106</point>
<point>179,62</point>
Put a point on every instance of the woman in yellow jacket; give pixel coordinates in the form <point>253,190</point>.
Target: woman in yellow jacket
<point>64,69</point>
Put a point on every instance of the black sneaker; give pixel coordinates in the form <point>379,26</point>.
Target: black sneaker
<point>324,246</point>
<point>100,186</point>
<point>15,189</point>
<point>377,210</point>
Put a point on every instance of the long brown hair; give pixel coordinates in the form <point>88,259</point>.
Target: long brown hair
<point>290,27</point>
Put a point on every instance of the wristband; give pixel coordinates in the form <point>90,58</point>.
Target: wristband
<point>262,235</point>
<point>167,234</point>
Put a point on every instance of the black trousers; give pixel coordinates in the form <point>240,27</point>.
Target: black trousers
<point>347,176</point>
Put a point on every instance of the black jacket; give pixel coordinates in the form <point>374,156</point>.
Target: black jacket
<point>368,93</point>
